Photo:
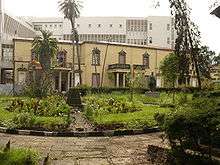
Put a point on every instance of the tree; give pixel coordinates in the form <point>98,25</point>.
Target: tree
<point>216,60</point>
<point>188,40</point>
<point>205,60</point>
<point>169,69</point>
<point>45,48</point>
<point>70,9</point>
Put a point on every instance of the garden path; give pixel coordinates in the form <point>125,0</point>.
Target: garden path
<point>79,123</point>
<point>126,150</point>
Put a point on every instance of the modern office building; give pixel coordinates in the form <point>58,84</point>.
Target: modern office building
<point>156,31</point>
<point>215,8</point>
<point>10,27</point>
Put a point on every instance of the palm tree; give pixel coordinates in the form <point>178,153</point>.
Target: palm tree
<point>70,9</point>
<point>45,48</point>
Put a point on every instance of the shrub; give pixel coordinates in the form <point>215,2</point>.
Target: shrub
<point>23,120</point>
<point>19,157</point>
<point>50,123</point>
<point>188,125</point>
<point>52,106</point>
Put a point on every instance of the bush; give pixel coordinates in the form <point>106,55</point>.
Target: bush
<point>19,157</point>
<point>23,120</point>
<point>50,123</point>
<point>189,124</point>
<point>51,106</point>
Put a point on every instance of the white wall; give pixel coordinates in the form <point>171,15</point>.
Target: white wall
<point>159,32</point>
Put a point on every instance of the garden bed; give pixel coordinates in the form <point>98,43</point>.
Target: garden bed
<point>117,111</point>
<point>48,114</point>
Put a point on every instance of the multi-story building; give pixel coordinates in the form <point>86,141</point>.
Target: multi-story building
<point>215,10</point>
<point>97,67</point>
<point>150,31</point>
<point>10,27</point>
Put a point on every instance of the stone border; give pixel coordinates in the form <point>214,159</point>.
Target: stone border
<point>80,134</point>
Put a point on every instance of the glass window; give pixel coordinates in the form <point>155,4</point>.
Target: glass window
<point>122,57</point>
<point>146,60</point>
<point>150,40</point>
<point>111,25</point>
<point>120,25</point>
<point>96,56</point>
<point>150,26</point>
<point>168,40</point>
<point>90,25</point>
<point>99,25</point>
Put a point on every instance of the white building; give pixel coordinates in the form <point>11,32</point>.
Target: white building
<point>151,31</point>
<point>10,27</point>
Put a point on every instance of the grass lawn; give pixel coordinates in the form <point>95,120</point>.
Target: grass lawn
<point>137,119</point>
<point>101,113</point>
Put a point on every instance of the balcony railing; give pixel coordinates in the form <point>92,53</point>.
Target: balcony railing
<point>119,66</point>
<point>140,67</point>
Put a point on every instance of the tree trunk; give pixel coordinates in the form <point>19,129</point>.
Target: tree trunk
<point>78,57</point>
<point>73,60</point>
<point>103,67</point>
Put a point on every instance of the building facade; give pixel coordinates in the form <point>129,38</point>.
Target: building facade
<point>10,27</point>
<point>150,31</point>
<point>102,64</point>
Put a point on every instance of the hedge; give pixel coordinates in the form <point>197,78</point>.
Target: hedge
<point>91,90</point>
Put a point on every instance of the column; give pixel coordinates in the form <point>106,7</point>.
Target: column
<point>60,81</point>
<point>124,80</point>
<point>117,80</point>
<point>68,81</point>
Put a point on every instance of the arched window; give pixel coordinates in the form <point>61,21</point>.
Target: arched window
<point>122,57</point>
<point>96,56</point>
<point>146,60</point>
<point>61,58</point>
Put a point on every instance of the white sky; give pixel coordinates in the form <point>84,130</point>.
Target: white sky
<point>209,25</point>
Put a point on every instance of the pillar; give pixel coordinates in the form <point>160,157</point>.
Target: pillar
<point>117,80</point>
<point>60,81</point>
<point>124,79</point>
<point>68,81</point>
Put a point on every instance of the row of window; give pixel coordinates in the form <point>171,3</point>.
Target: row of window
<point>100,25</point>
<point>99,37</point>
<point>96,58</point>
<point>151,27</point>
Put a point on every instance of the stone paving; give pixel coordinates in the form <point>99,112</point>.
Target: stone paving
<point>127,150</point>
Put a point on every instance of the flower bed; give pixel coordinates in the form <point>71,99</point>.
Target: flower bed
<point>51,113</point>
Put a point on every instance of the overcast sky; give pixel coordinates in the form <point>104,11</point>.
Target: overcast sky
<point>208,24</point>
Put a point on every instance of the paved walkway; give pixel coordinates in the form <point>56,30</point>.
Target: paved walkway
<point>80,123</point>
<point>128,150</point>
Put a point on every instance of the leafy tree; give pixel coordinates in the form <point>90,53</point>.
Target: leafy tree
<point>70,9</point>
<point>45,48</point>
<point>205,60</point>
<point>188,40</point>
<point>169,69</point>
<point>216,60</point>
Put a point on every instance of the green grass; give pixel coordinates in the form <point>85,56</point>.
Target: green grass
<point>140,119</point>
<point>19,157</point>
<point>130,120</point>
